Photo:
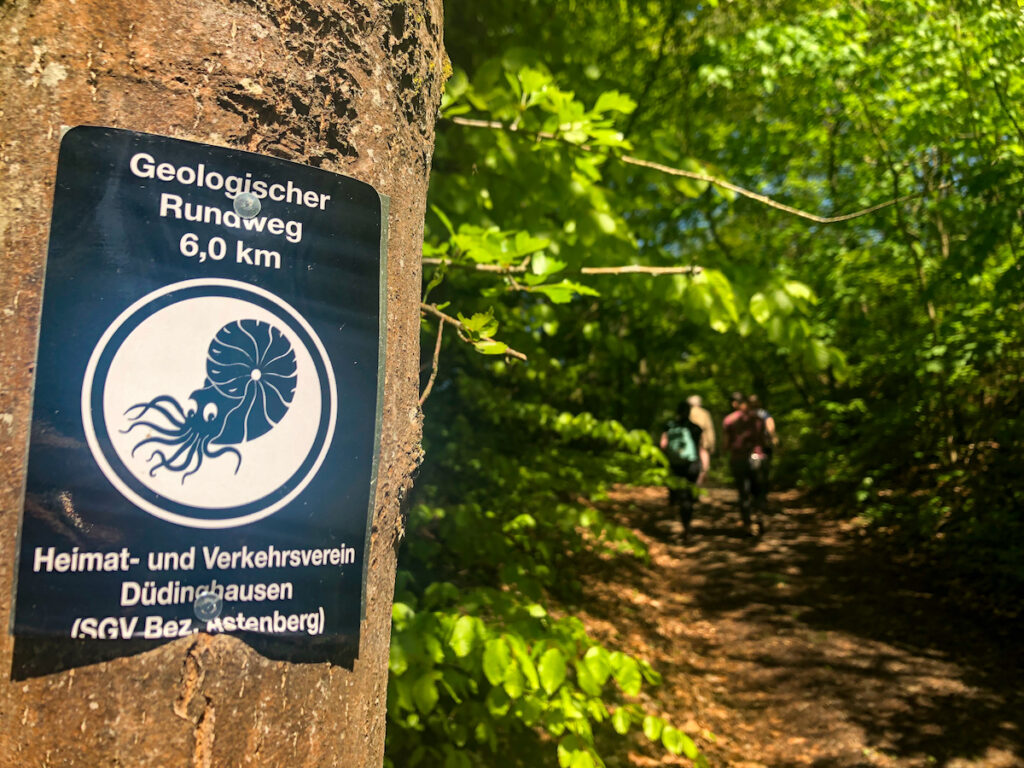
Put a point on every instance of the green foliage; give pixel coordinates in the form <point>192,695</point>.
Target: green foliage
<point>480,663</point>
<point>889,347</point>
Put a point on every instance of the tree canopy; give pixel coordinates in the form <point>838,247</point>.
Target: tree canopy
<point>819,202</point>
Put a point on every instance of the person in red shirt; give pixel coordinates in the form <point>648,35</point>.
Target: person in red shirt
<point>745,439</point>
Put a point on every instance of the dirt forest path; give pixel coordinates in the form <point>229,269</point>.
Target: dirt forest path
<point>803,648</point>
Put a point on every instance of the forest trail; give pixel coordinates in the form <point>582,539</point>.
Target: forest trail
<point>803,648</point>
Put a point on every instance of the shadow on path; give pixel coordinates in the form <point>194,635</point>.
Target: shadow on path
<point>805,647</point>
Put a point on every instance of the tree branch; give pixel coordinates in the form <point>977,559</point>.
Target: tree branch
<point>707,178</point>
<point>433,370</point>
<point>478,267</point>
<point>621,270</point>
<point>433,310</point>
<point>642,269</point>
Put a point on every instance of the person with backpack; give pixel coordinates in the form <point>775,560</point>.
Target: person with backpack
<point>700,416</point>
<point>771,441</point>
<point>688,459</point>
<point>745,438</point>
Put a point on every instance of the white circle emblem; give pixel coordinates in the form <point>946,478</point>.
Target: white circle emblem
<point>209,403</point>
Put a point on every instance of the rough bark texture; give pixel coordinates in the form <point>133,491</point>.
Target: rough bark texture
<point>348,85</point>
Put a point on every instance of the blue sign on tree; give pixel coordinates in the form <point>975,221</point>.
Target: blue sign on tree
<point>206,411</point>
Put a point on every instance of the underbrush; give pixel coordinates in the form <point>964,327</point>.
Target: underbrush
<point>484,669</point>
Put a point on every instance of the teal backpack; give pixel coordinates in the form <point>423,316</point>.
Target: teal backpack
<point>681,447</point>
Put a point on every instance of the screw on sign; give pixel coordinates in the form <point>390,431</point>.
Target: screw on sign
<point>208,605</point>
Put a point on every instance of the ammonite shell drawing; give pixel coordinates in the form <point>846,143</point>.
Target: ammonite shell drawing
<point>250,382</point>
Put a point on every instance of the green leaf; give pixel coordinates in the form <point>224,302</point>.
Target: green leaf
<point>759,308</point>
<point>585,680</point>
<point>672,739</point>
<point>653,727</point>
<point>723,291</point>
<point>424,692</point>
<point>481,323</point>
<point>533,80</point>
<point>689,748</point>
<point>563,292</point>
<point>398,663</point>
<point>529,709</point>
<point>818,356</point>
<point>463,637</point>
<point>597,662</point>
<point>490,347</point>
<point>497,660</point>
<point>628,676</point>
<point>621,721</point>
<point>543,265</point>
<point>605,222</point>
<point>573,752</point>
<point>401,613</point>
<point>678,743</point>
<point>514,682</point>
<point>783,303</point>
<point>498,702</point>
<point>526,664</point>
<point>552,669</point>
<point>614,101</point>
<point>444,219</point>
<point>457,83</point>
<point>525,244</point>
<point>800,291</point>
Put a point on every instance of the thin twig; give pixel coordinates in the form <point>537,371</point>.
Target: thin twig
<point>433,370</point>
<point>460,327</point>
<point>625,269</point>
<point>641,269</point>
<point>477,267</point>
<point>718,182</point>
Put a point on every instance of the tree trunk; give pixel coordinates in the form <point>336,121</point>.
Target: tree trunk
<point>351,86</point>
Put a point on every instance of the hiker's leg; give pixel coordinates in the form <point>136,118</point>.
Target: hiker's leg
<point>758,496</point>
<point>741,476</point>
<point>765,479</point>
<point>686,498</point>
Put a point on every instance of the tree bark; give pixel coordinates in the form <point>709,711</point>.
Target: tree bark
<point>351,86</point>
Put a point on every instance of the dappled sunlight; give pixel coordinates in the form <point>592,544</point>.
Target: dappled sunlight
<point>805,647</point>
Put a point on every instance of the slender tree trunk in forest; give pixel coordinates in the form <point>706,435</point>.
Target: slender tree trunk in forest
<point>351,86</point>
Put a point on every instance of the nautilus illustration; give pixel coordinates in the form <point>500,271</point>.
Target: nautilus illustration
<point>250,383</point>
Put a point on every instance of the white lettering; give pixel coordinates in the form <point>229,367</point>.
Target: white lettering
<point>142,165</point>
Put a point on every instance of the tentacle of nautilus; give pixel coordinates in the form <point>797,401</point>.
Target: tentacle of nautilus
<point>170,401</point>
<point>169,463</point>
<point>183,438</point>
<point>187,461</point>
<point>215,453</point>
<point>158,428</point>
<point>177,420</point>
<point>161,463</point>
<point>199,458</point>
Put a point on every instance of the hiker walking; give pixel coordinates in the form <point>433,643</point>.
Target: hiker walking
<point>744,437</point>
<point>682,442</point>
<point>771,441</point>
<point>700,416</point>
